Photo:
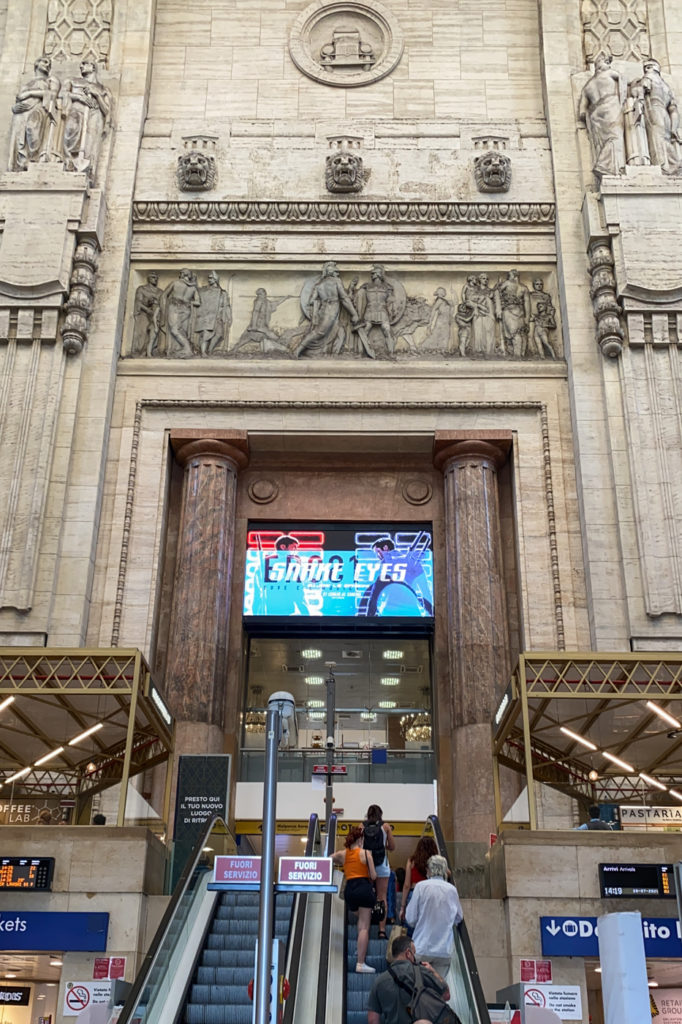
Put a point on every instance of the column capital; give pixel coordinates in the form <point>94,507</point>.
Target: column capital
<point>453,445</point>
<point>232,445</point>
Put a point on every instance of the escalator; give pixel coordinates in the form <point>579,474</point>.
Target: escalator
<point>466,993</point>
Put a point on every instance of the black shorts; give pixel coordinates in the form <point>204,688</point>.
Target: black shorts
<point>359,892</point>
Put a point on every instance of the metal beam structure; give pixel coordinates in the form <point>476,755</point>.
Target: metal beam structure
<point>60,693</point>
<point>601,697</point>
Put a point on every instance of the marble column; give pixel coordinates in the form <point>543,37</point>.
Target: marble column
<point>197,648</point>
<point>477,616</point>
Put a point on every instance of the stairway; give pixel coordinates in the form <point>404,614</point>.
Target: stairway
<point>358,986</point>
<point>218,992</point>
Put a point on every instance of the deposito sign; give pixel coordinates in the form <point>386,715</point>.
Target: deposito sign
<point>578,936</point>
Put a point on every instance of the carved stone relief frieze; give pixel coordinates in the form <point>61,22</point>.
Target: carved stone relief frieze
<point>346,42</point>
<point>344,171</point>
<point>196,170</point>
<point>617,26</point>
<point>79,29</point>
<point>375,313</point>
<point>634,123</point>
<point>61,120</point>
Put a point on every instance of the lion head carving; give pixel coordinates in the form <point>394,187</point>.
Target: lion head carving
<point>344,172</point>
<point>493,172</point>
<point>196,171</point>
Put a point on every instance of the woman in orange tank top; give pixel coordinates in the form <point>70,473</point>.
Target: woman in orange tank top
<point>359,894</point>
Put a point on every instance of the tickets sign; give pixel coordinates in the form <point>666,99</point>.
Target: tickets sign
<point>308,871</point>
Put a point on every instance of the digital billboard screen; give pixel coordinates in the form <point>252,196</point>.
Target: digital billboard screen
<point>339,570</point>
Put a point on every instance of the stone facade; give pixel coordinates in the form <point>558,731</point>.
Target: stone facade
<point>159,275</point>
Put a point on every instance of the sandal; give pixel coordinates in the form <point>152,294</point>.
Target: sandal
<point>383,935</point>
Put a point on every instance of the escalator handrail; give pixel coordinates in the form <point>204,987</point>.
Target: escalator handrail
<point>467,948</point>
<point>161,932</point>
<point>323,967</point>
<point>295,937</point>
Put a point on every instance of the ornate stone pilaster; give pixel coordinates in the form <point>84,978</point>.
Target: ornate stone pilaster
<point>607,312</point>
<point>197,650</point>
<point>477,615</point>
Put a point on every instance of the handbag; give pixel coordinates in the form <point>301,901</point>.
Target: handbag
<point>378,912</point>
<point>397,932</point>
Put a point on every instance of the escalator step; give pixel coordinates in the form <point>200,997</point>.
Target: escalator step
<point>218,1014</point>
<point>214,995</point>
<point>230,942</point>
<point>225,975</point>
<point>227,958</point>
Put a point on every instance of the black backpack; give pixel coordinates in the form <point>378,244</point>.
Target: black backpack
<point>374,841</point>
<point>424,1002</point>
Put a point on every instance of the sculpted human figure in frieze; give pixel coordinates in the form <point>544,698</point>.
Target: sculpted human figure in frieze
<point>180,300</point>
<point>601,110</point>
<point>322,304</point>
<point>512,309</point>
<point>259,331</point>
<point>35,119</point>
<point>146,317</point>
<point>86,104</point>
<point>653,122</point>
<point>214,317</point>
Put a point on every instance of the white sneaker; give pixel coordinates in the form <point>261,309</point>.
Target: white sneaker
<point>364,969</point>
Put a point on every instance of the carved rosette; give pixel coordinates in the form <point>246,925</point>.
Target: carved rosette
<point>79,303</point>
<point>607,311</point>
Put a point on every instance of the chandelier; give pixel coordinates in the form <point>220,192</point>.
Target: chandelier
<point>255,721</point>
<point>416,727</point>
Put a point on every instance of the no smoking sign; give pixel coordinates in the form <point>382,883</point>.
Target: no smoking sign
<point>82,994</point>
<point>77,998</point>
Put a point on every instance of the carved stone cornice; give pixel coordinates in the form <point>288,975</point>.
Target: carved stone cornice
<point>342,212</point>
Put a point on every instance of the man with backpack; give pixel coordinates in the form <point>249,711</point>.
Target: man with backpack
<point>409,992</point>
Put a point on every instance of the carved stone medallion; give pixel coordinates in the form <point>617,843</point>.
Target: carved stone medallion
<point>345,42</point>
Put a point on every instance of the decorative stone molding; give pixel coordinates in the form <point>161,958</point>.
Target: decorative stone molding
<point>607,311</point>
<point>344,170</point>
<point>79,29</point>
<point>346,42</point>
<point>617,26</point>
<point>338,212</point>
<point>196,170</point>
<point>81,296</point>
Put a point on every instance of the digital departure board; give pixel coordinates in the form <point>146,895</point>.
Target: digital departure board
<point>644,881</point>
<point>34,873</point>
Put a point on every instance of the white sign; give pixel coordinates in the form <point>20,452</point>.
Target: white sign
<point>668,1002</point>
<point>565,1000</point>
<point>639,817</point>
<point>80,995</point>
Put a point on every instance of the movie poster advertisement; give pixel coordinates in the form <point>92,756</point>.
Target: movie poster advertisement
<point>342,571</point>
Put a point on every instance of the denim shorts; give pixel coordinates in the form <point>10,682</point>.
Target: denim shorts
<point>383,870</point>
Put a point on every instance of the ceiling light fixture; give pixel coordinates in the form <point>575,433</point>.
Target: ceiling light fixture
<point>56,963</point>
<point>390,680</point>
<point>48,757</point>
<point>653,782</point>
<point>652,984</point>
<point>578,739</point>
<point>393,655</point>
<point>617,760</point>
<point>6,703</point>
<point>663,714</point>
<point>673,792</point>
<point>387,704</point>
<point>19,775</point>
<point>311,653</point>
<point>84,735</point>
<point>314,680</point>
<point>314,703</point>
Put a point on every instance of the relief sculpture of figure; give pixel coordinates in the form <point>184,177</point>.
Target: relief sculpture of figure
<point>464,318</point>
<point>259,331</point>
<point>544,322</point>
<point>538,296</point>
<point>180,299</point>
<point>653,122</point>
<point>35,118</point>
<point>86,104</point>
<point>214,317</point>
<point>512,309</point>
<point>146,317</point>
<point>601,110</point>
<point>484,323</point>
<point>321,303</point>
<point>438,339</point>
<point>376,305</point>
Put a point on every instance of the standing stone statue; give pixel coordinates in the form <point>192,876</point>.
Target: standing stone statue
<point>178,304</point>
<point>146,317</point>
<point>35,118</point>
<point>86,104</point>
<point>512,309</point>
<point>653,122</point>
<point>544,322</point>
<point>259,331</point>
<point>440,326</point>
<point>464,318</point>
<point>601,109</point>
<point>375,305</point>
<point>322,306</point>
<point>484,323</point>
<point>214,317</point>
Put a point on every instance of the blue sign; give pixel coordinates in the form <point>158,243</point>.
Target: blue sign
<point>339,570</point>
<point>578,936</point>
<point>62,932</point>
